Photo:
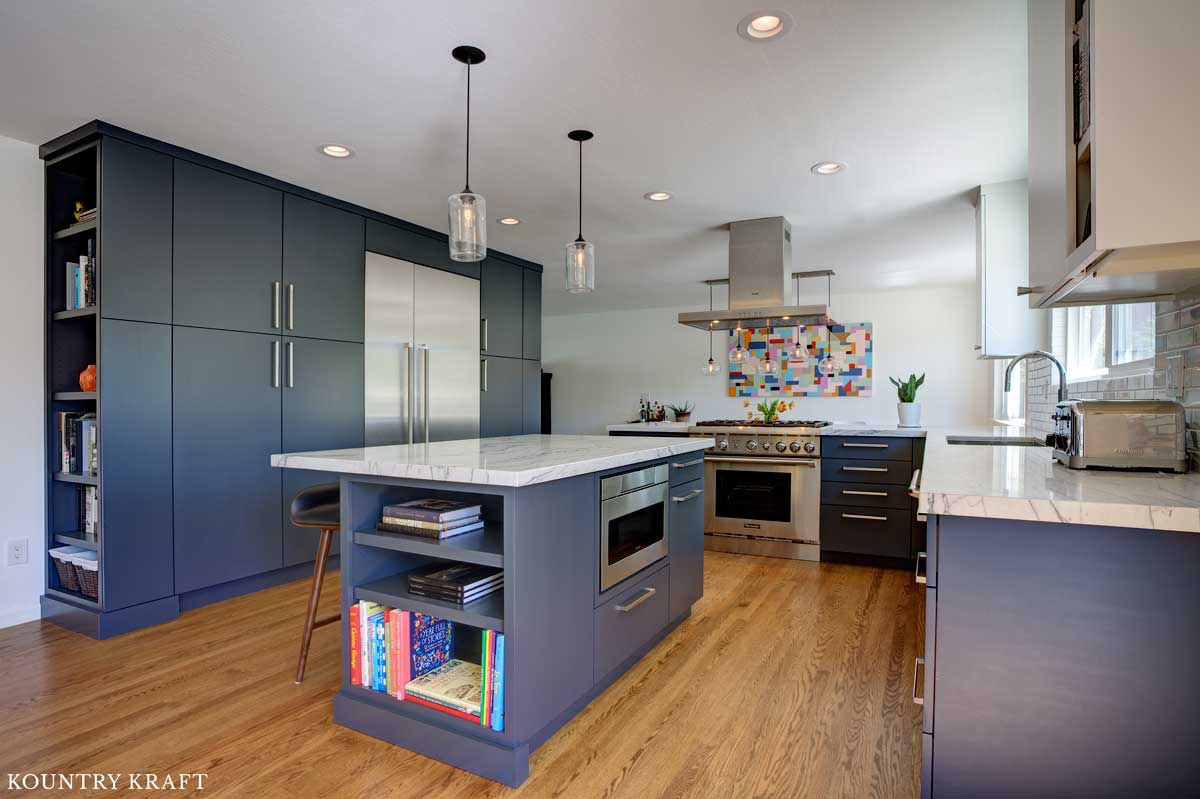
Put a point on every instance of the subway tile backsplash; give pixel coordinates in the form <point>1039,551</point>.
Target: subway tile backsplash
<point>1176,375</point>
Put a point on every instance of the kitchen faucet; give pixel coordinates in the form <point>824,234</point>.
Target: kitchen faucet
<point>1062,373</point>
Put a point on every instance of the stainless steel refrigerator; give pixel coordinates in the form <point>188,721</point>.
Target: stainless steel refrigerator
<point>422,358</point>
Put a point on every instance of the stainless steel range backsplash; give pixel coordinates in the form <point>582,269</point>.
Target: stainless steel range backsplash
<point>1176,375</point>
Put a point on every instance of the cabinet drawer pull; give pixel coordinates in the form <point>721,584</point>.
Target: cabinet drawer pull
<point>483,334</point>
<point>483,375</point>
<point>855,493</point>
<point>291,306</point>
<point>864,469</point>
<point>914,485</point>
<point>686,497</point>
<point>687,464</point>
<point>275,364</point>
<point>865,446</point>
<point>275,305</point>
<point>291,367</point>
<point>920,578</point>
<point>646,594</point>
<point>918,675</point>
<point>864,516</point>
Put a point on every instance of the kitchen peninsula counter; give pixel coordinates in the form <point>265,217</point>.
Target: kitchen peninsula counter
<point>567,634</point>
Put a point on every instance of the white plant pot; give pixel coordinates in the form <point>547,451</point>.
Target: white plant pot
<point>910,414</point>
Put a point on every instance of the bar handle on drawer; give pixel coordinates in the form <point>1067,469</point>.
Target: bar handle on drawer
<point>856,493</point>
<point>918,668</point>
<point>642,597</point>
<point>914,485</point>
<point>687,464</point>
<point>864,446</point>
<point>920,578</point>
<point>864,468</point>
<point>864,516</point>
<point>686,497</point>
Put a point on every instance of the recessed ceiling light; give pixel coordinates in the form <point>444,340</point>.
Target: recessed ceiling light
<point>657,196</point>
<point>764,25</point>
<point>336,150</point>
<point>509,220</point>
<point>828,167</point>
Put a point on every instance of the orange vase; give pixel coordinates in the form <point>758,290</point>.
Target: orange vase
<point>87,378</point>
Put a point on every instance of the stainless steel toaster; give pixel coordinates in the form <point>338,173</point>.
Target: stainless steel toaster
<point>1120,434</point>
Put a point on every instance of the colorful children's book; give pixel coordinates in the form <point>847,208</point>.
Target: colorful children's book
<point>430,642</point>
<point>379,652</point>
<point>496,715</point>
<point>409,697</point>
<point>355,654</point>
<point>402,649</point>
<point>365,610</point>
<point>455,684</point>
<point>389,651</point>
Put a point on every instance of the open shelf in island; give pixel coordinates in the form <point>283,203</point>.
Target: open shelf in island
<point>483,547</point>
<point>424,713</point>
<point>392,591</point>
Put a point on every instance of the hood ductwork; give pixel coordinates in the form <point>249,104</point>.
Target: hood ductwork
<point>760,262</point>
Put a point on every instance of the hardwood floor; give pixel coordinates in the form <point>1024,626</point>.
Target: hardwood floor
<point>790,680</point>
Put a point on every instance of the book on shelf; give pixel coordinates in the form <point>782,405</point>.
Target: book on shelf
<point>390,524</point>
<point>439,511</point>
<point>454,684</point>
<point>78,437</point>
<point>491,712</point>
<point>416,700</point>
<point>81,281</point>
<point>461,582</point>
<point>355,658</point>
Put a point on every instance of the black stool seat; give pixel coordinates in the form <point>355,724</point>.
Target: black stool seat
<point>317,506</point>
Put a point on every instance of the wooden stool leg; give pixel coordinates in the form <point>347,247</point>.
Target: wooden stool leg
<point>314,597</point>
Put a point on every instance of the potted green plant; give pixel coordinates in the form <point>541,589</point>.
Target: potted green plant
<point>908,408</point>
<point>682,412</point>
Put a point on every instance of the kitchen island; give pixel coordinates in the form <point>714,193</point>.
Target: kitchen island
<point>568,632</point>
<point>1062,608</point>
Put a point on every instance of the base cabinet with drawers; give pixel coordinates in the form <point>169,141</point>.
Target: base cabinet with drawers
<point>866,506</point>
<point>1059,660</point>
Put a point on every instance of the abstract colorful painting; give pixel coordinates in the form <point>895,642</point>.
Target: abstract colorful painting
<point>850,346</point>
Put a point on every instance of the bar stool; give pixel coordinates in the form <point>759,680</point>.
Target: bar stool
<point>319,507</point>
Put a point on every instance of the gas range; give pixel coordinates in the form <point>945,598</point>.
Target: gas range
<point>748,438</point>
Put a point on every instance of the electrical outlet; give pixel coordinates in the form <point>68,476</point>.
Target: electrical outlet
<point>17,552</point>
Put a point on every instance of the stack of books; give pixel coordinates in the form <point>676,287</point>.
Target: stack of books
<point>459,583</point>
<point>431,518</point>
<point>81,281</point>
<point>84,214</point>
<point>89,512</point>
<point>408,656</point>
<point>77,443</point>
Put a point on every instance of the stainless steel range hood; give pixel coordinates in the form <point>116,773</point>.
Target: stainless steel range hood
<point>760,260</point>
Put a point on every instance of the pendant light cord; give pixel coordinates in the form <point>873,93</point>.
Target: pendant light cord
<point>467,182</point>
<point>580,191</point>
<point>710,307</point>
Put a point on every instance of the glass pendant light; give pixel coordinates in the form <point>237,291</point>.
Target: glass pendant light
<point>467,210</point>
<point>739,354</point>
<point>711,368</point>
<point>797,355</point>
<point>828,366</point>
<point>581,255</point>
<point>766,366</point>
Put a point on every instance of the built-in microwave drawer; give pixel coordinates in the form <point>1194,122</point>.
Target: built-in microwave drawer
<point>865,531</point>
<point>686,468</point>
<point>886,449</point>
<point>875,495</point>
<point>866,471</point>
<point>629,620</point>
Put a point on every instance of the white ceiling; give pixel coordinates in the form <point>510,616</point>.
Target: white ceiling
<point>924,99</point>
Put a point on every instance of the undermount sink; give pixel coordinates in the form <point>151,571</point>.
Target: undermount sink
<point>997,441</point>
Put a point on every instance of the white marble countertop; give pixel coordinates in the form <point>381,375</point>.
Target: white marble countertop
<point>650,427</point>
<point>503,461</point>
<point>864,429</point>
<point>1013,482</point>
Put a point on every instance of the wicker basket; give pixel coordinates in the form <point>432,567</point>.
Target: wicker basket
<point>67,573</point>
<point>87,569</point>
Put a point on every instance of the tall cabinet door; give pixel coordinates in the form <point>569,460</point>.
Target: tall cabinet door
<point>389,354</point>
<point>531,333</point>
<point>500,397</point>
<point>322,409</point>
<point>501,297</point>
<point>228,240</point>
<point>226,426</point>
<point>531,397</point>
<point>322,270</point>
<point>447,378</point>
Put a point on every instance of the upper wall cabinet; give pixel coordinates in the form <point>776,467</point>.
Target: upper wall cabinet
<point>135,224</point>
<point>228,244</point>
<point>531,347</point>
<point>501,300</point>
<point>1007,326</point>
<point>1113,163</point>
<point>323,270</point>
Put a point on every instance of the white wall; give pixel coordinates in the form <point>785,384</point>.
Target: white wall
<point>21,411</point>
<point>603,361</point>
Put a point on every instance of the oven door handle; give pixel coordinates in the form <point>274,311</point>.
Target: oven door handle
<point>810,462</point>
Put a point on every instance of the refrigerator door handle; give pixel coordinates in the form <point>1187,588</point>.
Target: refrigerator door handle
<point>409,392</point>
<point>483,374</point>
<point>425,377</point>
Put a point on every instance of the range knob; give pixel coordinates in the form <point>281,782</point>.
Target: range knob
<point>723,444</point>
<point>795,446</point>
<point>780,446</point>
<point>810,447</point>
<point>751,445</point>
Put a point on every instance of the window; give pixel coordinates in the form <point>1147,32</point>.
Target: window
<point>1105,340</point>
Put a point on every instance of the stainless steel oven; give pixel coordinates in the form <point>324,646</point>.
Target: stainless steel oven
<point>633,522</point>
<point>763,505</point>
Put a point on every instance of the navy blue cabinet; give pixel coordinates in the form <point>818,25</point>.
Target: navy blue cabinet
<point>501,304</point>
<point>531,397</point>
<point>227,421</point>
<point>500,410</point>
<point>686,526</point>
<point>227,251</point>
<point>135,451</point>
<point>323,270</point>
<point>135,224</point>
<point>322,409</point>
<point>531,333</point>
